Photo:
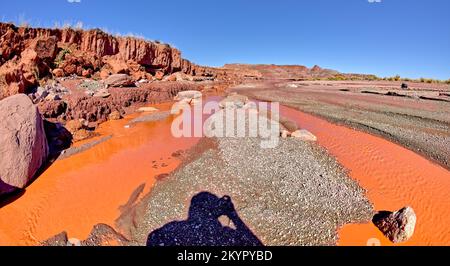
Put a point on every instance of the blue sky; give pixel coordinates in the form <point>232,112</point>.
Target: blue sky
<point>406,37</point>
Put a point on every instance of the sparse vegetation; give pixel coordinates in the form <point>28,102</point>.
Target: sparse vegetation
<point>62,55</point>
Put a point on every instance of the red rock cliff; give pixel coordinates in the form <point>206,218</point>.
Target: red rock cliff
<point>28,54</point>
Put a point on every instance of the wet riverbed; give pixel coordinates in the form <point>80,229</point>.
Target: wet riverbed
<point>393,176</point>
<point>90,187</point>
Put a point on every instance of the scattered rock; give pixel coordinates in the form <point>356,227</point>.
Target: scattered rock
<point>179,76</point>
<point>53,91</point>
<point>41,93</point>
<point>304,135</point>
<point>74,125</point>
<point>159,75</point>
<point>182,95</point>
<point>143,81</point>
<point>118,66</point>
<point>119,80</point>
<point>78,129</point>
<point>23,144</point>
<point>398,226</point>
<point>60,240</point>
<point>52,109</point>
<point>52,97</point>
<point>234,101</point>
<point>74,242</point>
<point>58,72</point>
<point>102,93</point>
<point>86,73</point>
<point>285,134</point>
<point>147,109</point>
<point>115,116</point>
<point>104,235</point>
<point>404,86</point>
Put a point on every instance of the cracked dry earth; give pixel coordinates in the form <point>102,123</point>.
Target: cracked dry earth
<point>292,195</point>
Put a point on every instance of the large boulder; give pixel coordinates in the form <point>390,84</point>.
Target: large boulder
<point>119,80</point>
<point>23,143</point>
<point>398,226</point>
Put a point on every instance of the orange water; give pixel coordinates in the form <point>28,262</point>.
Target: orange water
<point>393,176</point>
<point>88,188</point>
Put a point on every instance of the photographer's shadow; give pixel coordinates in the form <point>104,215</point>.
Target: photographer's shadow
<point>203,227</point>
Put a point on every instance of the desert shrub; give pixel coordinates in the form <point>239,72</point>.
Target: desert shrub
<point>61,56</point>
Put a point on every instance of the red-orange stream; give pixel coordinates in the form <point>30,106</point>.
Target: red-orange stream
<point>393,176</point>
<point>88,188</point>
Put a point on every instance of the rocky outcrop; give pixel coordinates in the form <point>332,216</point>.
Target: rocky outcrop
<point>398,226</point>
<point>30,54</point>
<point>304,135</point>
<point>98,109</point>
<point>23,66</point>
<point>23,144</point>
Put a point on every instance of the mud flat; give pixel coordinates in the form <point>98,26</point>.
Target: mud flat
<point>414,122</point>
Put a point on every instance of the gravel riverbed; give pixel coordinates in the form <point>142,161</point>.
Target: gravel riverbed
<point>294,194</point>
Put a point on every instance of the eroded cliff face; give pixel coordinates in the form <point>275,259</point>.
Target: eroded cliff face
<point>30,54</point>
<point>15,40</point>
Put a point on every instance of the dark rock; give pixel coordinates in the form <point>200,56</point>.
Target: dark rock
<point>398,226</point>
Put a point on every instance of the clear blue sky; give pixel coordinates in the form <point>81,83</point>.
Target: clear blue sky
<point>406,37</point>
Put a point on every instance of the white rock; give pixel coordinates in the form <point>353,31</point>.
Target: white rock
<point>304,135</point>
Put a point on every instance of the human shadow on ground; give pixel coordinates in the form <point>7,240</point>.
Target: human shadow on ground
<point>203,228</point>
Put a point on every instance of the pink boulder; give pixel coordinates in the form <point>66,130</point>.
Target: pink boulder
<point>23,144</point>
